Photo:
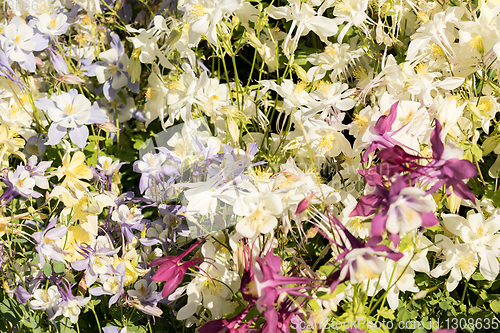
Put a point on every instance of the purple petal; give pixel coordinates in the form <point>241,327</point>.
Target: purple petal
<point>96,115</point>
<point>378,225</point>
<point>56,133</point>
<point>437,145</point>
<point>459,169</point>
<point>429,219</point>
<point>367,205</point>
<point>44,103</point>
<point>384,123</point>
<point>21,294</point>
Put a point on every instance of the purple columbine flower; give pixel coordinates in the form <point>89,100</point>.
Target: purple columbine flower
<point>19,41</point>
<point>399,207</point>
<point>448,168</point>
<point>154,171</point>
<point>129,220</point>
<point>112,70</point>
<point>20,183</point>
<point>112,284</point>
<point>50,242</point>
<point>58,62</point>
<point>71,111</point>
<point>96,262</point>
<point>359,260</point>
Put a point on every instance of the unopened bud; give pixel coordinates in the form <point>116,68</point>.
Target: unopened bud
<point>301,73</point>
<point>71,79</point>
<point>304,204</point>
<point>108,127</point>
<point>135,66</point>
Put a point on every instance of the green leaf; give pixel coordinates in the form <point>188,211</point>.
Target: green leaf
<point>326,270</point>
<point>47,269</point>
<point>58,267</point>
<point>444,305</point>
<point>495,199</point>
<point>19,240</point>
<point>386,313</point>
<point>495,306</point>
<point>477,151</point>
<point>490,144</point>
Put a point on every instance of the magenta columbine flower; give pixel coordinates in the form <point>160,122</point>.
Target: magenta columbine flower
<point>70,111</point>
<point>172,270</point>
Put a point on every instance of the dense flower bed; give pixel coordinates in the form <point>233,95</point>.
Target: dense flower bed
<point>247,166</point>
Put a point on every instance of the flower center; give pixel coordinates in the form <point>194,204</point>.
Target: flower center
<point>477,43</point>
<point>197,11</point>
<point>467,264</point>
<point>214,287</point>
<point>326,142</point>
<point>53,24</point>
<point>70,109</point>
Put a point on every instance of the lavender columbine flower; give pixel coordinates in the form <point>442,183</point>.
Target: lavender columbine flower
<point>96,261</point>
<point>50,242</point>
<point>19,41</point>
<point>111,285</point>
<point>37,171</point>
<point>153,169</point>
<point>129,219</point>
<point>70,111</point>
<point>104,170</point>
<point>144,291</point>
<point>70,305</point>
<point>112,70</point>
<point>20,183</point>
<point>6,71</point>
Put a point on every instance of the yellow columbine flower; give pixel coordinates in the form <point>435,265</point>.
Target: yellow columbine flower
<point>74,169</point>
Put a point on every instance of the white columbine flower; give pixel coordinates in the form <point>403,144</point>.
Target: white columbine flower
<point>460,260</point>
<point>481,235</point>
<point>46,299</point>
<point>259,211</point>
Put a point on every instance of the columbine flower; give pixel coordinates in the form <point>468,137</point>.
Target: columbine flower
<point>129,219</point>
<point>46,300</point>
<point>112,70</point>
<point>74,169</point>
<point>172,270</point>
<point>52,25</point>
<point>19,41</point>
<point>481,235</point>
<point>460,260</point>
<point>97,260</point>
<point>70,111</point>
<point>155,171</point>
<point>259,211</point>
<point>50,242</point>
<point>19,182</point>
<point>305,19</point>
<point>144,291</point>
<point>204,16</point>
<point>111,284</point>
